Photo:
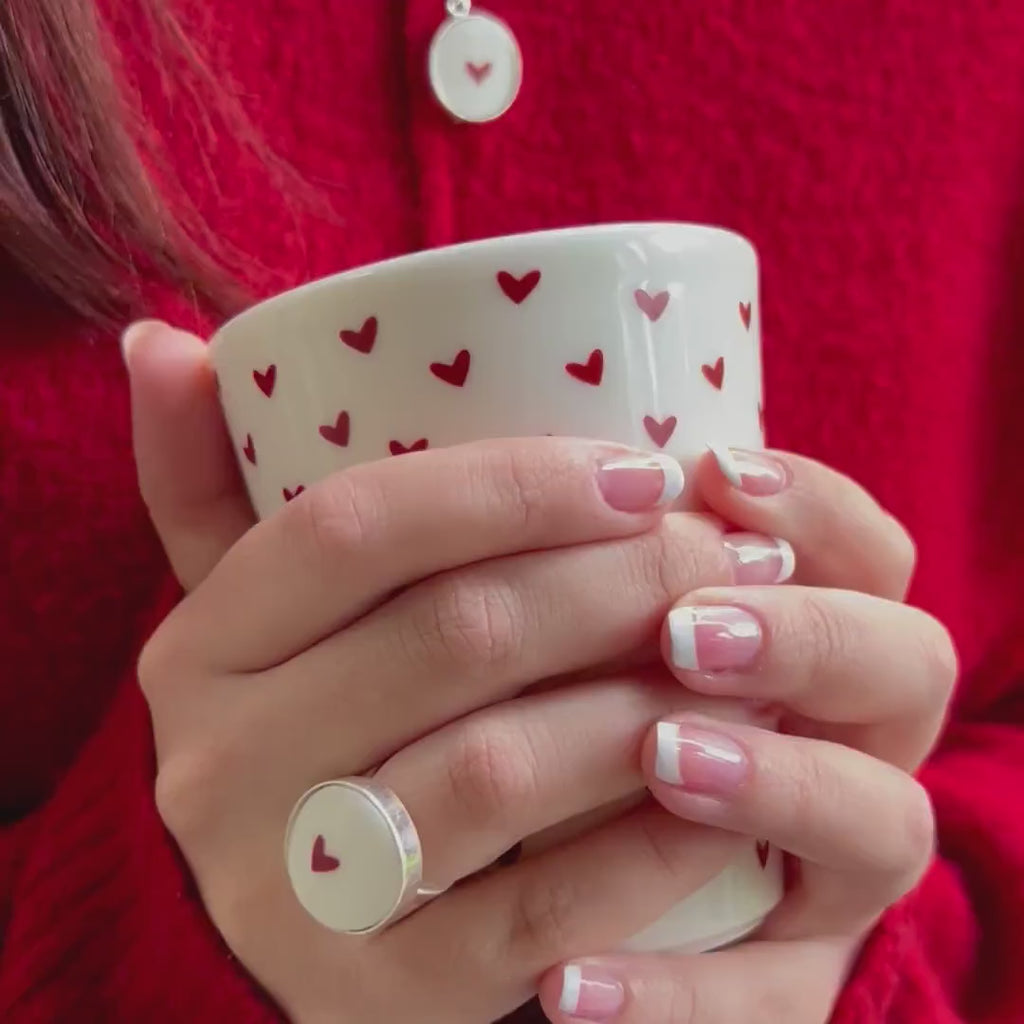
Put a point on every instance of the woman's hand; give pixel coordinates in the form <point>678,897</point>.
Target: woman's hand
<point>386,617</point>
<point>862,682</point>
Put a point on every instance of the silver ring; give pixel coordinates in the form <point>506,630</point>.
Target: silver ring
<point>353,856</point>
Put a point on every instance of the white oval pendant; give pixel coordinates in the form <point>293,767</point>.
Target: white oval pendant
<point>475,67</point>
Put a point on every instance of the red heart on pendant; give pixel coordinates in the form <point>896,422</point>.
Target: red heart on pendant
<point>652,306</point>
<point>397,448</point>
<point>338,433</point>
<point>660,431</point>
<point>455,372</point>
<point>266,379</point>
<point>745,311</point>
<point>518,289</point>
<point>362,340</point>
<point>288,495</point>
<point>762,853</point>
<point>321,861</point>
<point>589,372</point>
<point>760,418</point>
<point>715,375</point>
<point>249,449</point>
<point>478,72</point>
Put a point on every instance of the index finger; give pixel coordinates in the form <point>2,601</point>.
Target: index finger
<point>347,543</point>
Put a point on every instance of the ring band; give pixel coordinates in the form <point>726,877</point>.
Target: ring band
<point>353,856</point>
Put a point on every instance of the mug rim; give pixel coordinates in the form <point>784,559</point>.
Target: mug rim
<point>477,246</point>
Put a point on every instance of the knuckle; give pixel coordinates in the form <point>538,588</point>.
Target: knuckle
<point>493,773</point>
<point>471,624</point>
<point>338,517</point>
<point>682,554</point>
<point>827,634</point>
<point>183,794</point>
<point>517,486</point>
<point>540,926</point>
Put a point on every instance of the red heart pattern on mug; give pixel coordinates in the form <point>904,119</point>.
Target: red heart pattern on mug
<point>266,379</point>
<point>763,849</point>
<point>397,448</point>
<point>660,431</point>
<point>320,861</point>
<point>337,432</point>
<point>518,289</point>
<point>589,372</point>
<point>714,373</point>
<point>652,306</point>
<point>455,372</point>
<point>478,72</point>
<point>362,340</point>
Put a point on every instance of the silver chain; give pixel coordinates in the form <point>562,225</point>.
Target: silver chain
<point>459,8</point>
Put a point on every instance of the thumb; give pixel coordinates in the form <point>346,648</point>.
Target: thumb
<point>188,476</point>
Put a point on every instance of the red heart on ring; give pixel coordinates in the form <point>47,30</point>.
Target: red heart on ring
<point>478,72</point>
<point>321,861</point>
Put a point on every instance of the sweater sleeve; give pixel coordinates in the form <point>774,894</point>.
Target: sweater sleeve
<point>952,950</point>
<point>98,917</point>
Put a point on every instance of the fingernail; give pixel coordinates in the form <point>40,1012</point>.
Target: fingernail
<point>759,560</point>
<point>699,760</point>
<point>133,332</point>
<point>638,483</point>
<point>710,638</point>
<point>590,994</point>
<point>755,473</point>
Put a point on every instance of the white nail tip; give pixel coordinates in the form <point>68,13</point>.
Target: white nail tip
<point>788,565</point>
<point>666,761</point>
<point>569,1002</point>
<point>675,481</point>
<point>682,634</point>
<point>727,464</point>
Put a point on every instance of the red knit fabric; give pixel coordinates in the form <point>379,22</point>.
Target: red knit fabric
<point>874,154</point>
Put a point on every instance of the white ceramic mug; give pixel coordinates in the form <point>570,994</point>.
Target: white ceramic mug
<point>645,334</point>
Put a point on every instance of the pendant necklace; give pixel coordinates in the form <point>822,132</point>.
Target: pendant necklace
<point>475,65</point>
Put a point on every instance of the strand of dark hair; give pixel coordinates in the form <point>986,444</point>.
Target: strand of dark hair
<point>80,218</point>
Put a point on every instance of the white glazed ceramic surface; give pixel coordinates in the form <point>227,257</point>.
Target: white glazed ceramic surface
<point>646,334</point>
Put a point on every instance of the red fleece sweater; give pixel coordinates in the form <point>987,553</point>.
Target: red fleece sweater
<point>873,152</point>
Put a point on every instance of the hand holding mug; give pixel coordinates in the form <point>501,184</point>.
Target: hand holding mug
<point>386,617</point>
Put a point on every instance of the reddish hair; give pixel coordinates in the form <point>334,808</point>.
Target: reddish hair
<point>80,218</point>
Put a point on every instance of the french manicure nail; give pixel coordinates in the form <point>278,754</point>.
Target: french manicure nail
<point>710,638</point>
<point>590,994</point>
<point>639,483</point>
<point>759,560</point>
<point>699,760</point>
<point>133,332</point>
<point>754,473</point>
